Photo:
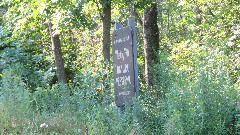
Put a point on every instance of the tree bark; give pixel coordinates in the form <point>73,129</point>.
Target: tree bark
<point>106,19</point>
<point>151,41</point>
<point>56,48</point>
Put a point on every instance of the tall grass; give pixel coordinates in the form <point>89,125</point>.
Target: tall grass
<point>63,109</point>
<point>203,103</point>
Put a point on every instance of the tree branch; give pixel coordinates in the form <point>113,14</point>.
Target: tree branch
<point>99,11</point>
<point>138,18</point>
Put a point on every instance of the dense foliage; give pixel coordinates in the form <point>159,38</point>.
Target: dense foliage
<point>196,83</point>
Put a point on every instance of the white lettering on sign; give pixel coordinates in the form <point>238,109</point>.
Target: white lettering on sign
<point>120,69</point>
<point>124,80</point>
<point>124,93</point>
<point>120,40</point>
<point>126,51</point>
<point>119,55</point>
<point>126,69</point>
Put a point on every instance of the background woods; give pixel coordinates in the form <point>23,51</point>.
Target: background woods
<point>56,67</point>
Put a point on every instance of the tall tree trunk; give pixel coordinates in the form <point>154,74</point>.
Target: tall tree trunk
<point>106,19</point>
<point>56,48</point>
<point>151,41</point>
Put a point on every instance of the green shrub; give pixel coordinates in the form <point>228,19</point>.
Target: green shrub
<point>60,109</point>
<point>14,100</point>
<point>197,102</point>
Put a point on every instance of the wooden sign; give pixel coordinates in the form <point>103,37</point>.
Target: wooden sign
<point>123,60</point>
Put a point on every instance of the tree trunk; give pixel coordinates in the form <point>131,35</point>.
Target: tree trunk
<point>151,41</point>
<point>106,18</point>
<point>56,48</point>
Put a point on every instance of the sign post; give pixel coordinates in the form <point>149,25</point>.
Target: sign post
<point>125,68</point>
<point>131,23</point>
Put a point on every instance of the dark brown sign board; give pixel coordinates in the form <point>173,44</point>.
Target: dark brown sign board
<point>123,66</point>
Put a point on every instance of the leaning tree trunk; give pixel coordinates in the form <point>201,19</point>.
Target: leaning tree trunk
<point>106,19</point>
<point>56,48</point>
<point>151,42</point>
